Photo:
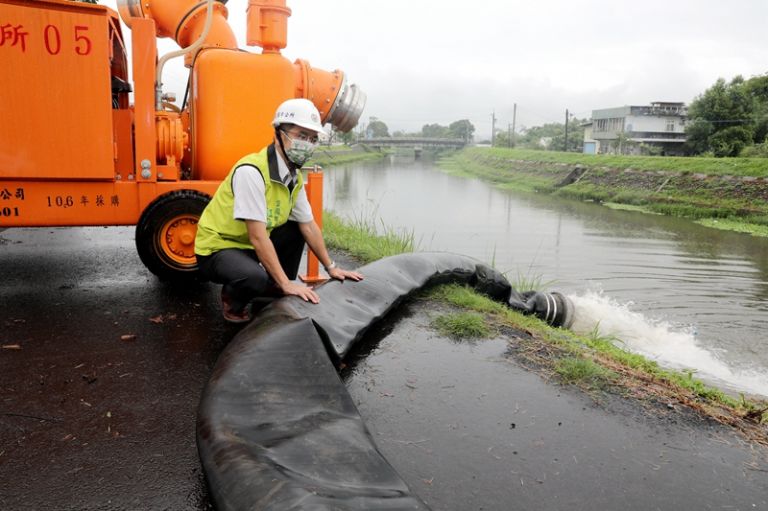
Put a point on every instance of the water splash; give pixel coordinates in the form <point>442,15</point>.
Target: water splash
<point>670,346</point>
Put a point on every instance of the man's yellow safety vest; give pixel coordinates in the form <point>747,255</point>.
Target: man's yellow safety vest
<point>218,229</point>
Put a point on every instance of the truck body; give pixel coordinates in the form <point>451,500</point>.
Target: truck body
<point>82,145</point>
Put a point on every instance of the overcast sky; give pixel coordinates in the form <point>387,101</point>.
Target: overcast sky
<point>425,61</point>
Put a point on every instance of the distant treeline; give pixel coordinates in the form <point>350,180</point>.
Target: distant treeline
<point>376,128</point>
<point>730,119</point>
<point>549,136</point>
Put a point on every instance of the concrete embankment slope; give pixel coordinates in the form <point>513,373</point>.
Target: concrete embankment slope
<point>688,190</point>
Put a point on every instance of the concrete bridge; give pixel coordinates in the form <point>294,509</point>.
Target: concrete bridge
<point>416,143</point>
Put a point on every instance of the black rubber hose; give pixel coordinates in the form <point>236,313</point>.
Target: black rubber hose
<point>276,427</point>
<point>553,308</point>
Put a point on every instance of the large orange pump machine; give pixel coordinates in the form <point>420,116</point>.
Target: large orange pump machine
<point>74,151</point>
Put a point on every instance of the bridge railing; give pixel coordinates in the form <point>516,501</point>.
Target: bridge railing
<point>414,141</point>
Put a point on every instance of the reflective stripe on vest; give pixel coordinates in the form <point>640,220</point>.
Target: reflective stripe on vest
<point>218,229</point>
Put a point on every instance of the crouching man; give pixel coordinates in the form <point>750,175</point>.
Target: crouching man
<point>251,236</point>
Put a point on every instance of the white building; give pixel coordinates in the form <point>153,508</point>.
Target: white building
<point>656,129</point>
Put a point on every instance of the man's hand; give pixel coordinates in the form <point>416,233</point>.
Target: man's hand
<point>339,274</point>
<point>300,290</point>
<point>314,238</point>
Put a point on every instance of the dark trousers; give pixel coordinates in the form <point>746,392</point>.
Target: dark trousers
<point>240,272</point>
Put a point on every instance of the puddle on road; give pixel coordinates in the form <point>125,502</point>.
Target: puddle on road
<point>468,428</point>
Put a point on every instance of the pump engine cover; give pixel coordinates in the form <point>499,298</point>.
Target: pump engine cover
<point>234,96</point>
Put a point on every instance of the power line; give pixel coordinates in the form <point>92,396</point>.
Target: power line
<point>718,121</point>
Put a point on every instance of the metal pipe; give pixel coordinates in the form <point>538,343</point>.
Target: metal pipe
<point>178,53</point>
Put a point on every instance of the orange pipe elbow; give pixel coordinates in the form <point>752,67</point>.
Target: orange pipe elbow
<point>181,20</point>
<point>319,86</point>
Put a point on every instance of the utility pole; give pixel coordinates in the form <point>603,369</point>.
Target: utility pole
<point>493,127</point>
<point>566,130</point>
<point>514,119</point>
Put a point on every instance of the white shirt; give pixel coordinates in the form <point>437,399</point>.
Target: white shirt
<point>251,199</point>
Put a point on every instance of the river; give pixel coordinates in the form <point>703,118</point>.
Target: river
<point>689,297</point>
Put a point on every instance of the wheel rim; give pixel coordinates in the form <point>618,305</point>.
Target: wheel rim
<point>177,240</point>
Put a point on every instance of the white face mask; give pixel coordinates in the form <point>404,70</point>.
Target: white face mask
<point>300,150</point>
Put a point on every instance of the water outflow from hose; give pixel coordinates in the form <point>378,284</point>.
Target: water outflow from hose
<point>597,314</point>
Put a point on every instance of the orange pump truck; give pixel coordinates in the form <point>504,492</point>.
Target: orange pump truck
<point>74,151</point>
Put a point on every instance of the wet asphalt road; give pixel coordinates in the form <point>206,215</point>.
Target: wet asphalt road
<point>101,371</point>
<point>102,366</point>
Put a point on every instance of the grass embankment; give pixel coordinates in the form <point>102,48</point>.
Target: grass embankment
<point>726,193</point>
<point>756,167</point>
<point>594,363</point>
<point>336,154</point>
<point>360,237</point>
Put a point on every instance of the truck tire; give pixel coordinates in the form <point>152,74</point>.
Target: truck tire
<point>165,234</point>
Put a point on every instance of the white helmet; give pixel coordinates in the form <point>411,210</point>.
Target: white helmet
<point>301,112</point>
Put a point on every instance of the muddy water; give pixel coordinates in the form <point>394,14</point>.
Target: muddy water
<point>687,296</point>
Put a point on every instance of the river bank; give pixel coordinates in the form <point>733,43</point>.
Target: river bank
<point>593,363</point>
<point>724,193</point>
<point>515,414</point>
<point>327,155</point>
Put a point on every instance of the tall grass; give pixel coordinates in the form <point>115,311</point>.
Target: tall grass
<point>366,237</point>
<point>528,281</point>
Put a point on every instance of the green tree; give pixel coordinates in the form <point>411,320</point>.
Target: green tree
<point>757,88</point>
<point>462,129</point>
<point>347,138</point>
<point>549,136</point>
<point>698,132</point>
<point>729,116</point>
<point>575,136</point>
<point>434,131</point>
<point>730,141</point>
<point>501,139</point>
<point>377,128</point>
<point>755,151</point>
<point>540,137</point>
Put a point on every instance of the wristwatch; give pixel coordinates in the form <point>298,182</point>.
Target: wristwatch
<point>330,266</point>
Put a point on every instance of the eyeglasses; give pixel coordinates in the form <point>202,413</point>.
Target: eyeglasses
<point>302,136</point>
